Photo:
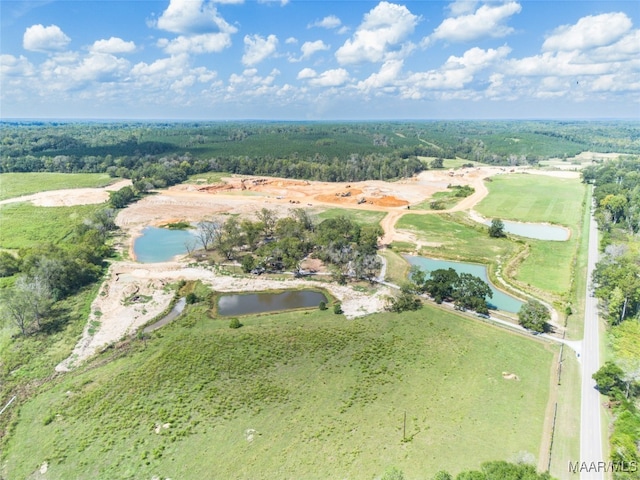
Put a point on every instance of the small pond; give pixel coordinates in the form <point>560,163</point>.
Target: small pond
<point>170,317</point>
<point>161,244</point>
<point>245,304</point>
<point>537,231</point>
<point>499,301</point>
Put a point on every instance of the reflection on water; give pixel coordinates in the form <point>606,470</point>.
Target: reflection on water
<point>268,302</point>
<point>499,300</point>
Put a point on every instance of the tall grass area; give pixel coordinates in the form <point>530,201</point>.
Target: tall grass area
<point>290,395</point>
<point>18,184</point>
<point>363,217</point>
<point>25,225</point>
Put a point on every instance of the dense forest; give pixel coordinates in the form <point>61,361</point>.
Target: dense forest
<point>160,154</point>
<point>617,285</point>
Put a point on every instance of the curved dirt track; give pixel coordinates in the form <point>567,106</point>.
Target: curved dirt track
<point>389,221</point>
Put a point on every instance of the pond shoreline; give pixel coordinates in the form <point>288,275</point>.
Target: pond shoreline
<point>475,216</point>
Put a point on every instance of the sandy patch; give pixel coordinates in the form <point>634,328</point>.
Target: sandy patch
<point>133,294</point>
<point>70,197</point>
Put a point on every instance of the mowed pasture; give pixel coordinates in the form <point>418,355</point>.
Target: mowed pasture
<point>455,237</point>
<point>291,395</point>
<point>540,198</point>
<point>19,184</point>
<point>534,198</point>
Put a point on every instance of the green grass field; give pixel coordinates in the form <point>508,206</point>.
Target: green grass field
<point>458,238</point>
<point>363,217</point>
<point>24,225</point>
<point>534,198</point>
<point>539,198</point>
<point>18,184</point>
<point>290,395</point>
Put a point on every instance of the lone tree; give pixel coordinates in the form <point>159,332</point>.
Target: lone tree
<point>534,316</point>
<point>496,229</point>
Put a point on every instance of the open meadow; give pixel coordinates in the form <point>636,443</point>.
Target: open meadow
<point>304,394</point>
<point>18,184</point>
<point>291,395</point>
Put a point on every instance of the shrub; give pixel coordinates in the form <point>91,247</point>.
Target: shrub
<point>337,309</point>
<point>322,306</point>
<point>192,298</point>
<point>234,323</point>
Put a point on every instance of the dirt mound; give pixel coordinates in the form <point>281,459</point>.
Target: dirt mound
<point>387,201</point>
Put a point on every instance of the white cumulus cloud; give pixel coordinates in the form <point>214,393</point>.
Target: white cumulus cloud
<point>192,17</point>
<point>306,73</point>
<point>309,48</point>
<point>38,38</point>
<point>112,45</point>
<point>330,78</point>
<point>486,21</point>
<point>384,28</point>
<point>591,31</point>
<point>389,72</point>
<point>257,48</point>
<point>455,74</point>
<point>328,22</point>
<point>203,43</point>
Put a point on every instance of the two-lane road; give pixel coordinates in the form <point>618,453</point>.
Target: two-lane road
<point>590,423</point>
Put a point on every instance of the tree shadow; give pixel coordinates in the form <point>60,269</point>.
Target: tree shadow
<point>56,321</point>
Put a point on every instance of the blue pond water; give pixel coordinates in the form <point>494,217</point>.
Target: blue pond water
<point>539,231</point>
<point>160,244</point>
<point>499,301</point>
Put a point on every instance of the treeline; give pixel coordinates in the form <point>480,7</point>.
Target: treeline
<point>48,273</point>
<point>616,280</point>
<point>165,153</point>
<point>617,199</point>
<point>271,244</point>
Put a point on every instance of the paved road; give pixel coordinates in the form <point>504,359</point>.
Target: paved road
<point>590,423</point>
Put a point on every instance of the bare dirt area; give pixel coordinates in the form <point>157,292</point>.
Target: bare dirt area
<point>133,294</point>
<point>70,197</point>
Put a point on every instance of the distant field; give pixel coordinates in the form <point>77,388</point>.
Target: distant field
<point>538,198</point>
<point>364,217</point>
<point>291,396</point>
<point>534,198</point>
<point>24,225</point>
<point>18,184</point>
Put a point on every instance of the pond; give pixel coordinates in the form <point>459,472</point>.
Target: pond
<point>161,244</point>
<point>537,231</point>
<point>499,301</point>
<point>170,317</point>
<point>244,304</point>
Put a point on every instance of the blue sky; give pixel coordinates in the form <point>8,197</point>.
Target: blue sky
<point>319,60</point>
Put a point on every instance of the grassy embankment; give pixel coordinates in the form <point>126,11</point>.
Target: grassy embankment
<point>27,362</point>
<point>18,184</point>
<point>456,237</point>
<point>291,395</point>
